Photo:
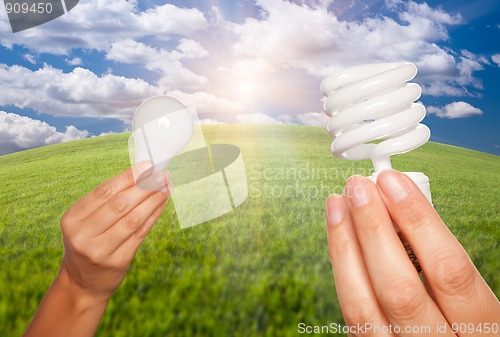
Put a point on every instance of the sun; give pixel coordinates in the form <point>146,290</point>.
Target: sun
<point>246,89</point>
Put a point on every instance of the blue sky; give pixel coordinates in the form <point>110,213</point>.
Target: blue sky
<point>261,61</point>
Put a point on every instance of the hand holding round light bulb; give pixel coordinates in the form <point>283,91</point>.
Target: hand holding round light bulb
<point>103,230</point>
<point>101,233</point>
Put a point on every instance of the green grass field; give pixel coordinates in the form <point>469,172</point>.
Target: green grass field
<point>258,271</point>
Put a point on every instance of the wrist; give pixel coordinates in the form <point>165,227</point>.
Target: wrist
<point>67,310</point>
<point>82,300</point>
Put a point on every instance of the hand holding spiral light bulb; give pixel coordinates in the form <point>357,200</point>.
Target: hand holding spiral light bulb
<point>373,102</point>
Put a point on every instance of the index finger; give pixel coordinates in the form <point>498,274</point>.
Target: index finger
<point>459,289</point>
<point>105,191</point>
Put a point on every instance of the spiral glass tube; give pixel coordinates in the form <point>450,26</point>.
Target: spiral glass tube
<point>373,102</point>
<point>374,115</point>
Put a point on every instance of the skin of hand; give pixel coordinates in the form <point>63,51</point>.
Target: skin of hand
<point>101,233</point>
<point>377,284</point>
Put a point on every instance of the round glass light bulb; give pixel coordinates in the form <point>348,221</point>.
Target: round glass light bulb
<point>162,126</point>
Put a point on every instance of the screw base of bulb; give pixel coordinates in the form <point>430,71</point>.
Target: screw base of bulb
<point>410,252</point>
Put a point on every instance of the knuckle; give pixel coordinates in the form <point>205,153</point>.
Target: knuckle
<point>85,249</point>
<point>65,222</point>
<point>372,227</point>
<point>403,299</point>
<point>132,221</point>
<point>95,256</point>
<point>454,275</point>
<point>119,263</point>
<point>103,191</point>
<point>416,219</point>
<point>79,243</point>
<point>412,219</point>
<point>359,312</point>
<point>141,232</point>
<point>129,176</point>
<point>118,205</point>
<point>145,227</point>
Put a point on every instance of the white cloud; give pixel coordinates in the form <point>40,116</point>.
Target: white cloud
<point>209,121</point>
<point>313,118</point>
<point>467,66</point>
<point>282,35</point>
<point>209,105</point>
<point>496,58</point>
<point>174,74</point>
<point>231,72</point>
<point>249,67</point>
<point>82,93</point>
<point>455,110</point>
<point>313,39</point>
<point>131,51</point>
<point>191,49</point>
<point>96,24</point>
<point>30,58</point>
<point>75,61</point>
<point>470,55</point>
<point>440,88</point>
<point>424,11</point>
<point>169,19</point>
<point>108,133</point>
<point>79,93</point>
<point>20,133</point>
<point>257,118</point>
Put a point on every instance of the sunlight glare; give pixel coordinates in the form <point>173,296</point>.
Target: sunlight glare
<point>246,89</point>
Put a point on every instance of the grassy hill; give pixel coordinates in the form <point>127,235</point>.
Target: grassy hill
<point>258,271</point>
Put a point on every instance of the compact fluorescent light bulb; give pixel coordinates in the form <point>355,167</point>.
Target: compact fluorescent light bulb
<point>162,126</point>
<point>373,102</point>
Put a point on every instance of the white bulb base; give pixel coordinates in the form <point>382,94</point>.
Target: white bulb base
<point>420,179</point>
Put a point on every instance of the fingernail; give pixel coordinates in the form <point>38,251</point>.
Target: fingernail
<point>141,170</point>
<point>166,182</point>
<point>393,186</point>
<point>357,190</point>
<point>335,210</point>
<point>166,178</point>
